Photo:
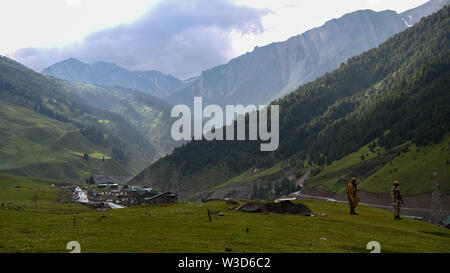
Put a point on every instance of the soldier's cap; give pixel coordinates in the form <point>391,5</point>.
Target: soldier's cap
<point>395,182</point>
<point>353,179</point>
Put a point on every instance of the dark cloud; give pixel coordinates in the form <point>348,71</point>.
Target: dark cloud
<point>176,36</point>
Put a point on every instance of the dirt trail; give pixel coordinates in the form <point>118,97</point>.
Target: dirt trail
<point>302,179</point>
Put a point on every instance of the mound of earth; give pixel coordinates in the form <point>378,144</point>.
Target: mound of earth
<point>231,202</point>
<point>284,207</point>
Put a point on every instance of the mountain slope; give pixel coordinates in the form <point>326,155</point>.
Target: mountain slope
<point>401,95</point>
<point>408,162</point>
<point>35,145</point>
<point>274,70</point>
<point>149,115</point>
<point>153,83</point>
<point>48,128</point>
<point>412,16</point>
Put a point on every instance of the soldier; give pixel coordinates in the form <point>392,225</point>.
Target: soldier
<point>352,194</point>
<point>397,200</point>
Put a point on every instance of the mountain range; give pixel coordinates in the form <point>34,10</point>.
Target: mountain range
<point>412,16</point>
<point>272,71</point>
<point>152,82</point>
<point>381,127</point>
<point>266,73</point>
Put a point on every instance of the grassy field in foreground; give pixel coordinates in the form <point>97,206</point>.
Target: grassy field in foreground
<point>185,227</point>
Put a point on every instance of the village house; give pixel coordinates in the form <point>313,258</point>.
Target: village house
<point>141,194</point>
<point>108,185</point>
<point>162,198</point>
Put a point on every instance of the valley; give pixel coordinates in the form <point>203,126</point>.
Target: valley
<point>51,124</point>
<point>89,150</point>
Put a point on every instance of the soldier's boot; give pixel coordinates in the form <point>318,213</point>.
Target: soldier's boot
<point>353,212</point>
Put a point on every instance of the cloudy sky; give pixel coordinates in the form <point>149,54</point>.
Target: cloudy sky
<point>178,37</point>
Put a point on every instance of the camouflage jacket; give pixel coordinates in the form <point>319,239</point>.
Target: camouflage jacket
<point>396,195</point>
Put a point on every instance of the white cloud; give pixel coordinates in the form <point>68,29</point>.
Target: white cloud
<point>176,36</point>
<point>375,3</point>
<point>49,23</point>
<point>73,2</point>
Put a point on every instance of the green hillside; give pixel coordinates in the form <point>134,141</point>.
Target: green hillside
<point>415,169</point>
<point>49,126</point>
<point>413,166</point>
<point>400,96</point>
<point>35,145</point>
<point>149,115</point>
<point>47,226</point>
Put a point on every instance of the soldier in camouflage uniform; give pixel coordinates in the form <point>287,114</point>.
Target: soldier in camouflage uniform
<point>397,200</point>
<point>352,194</point>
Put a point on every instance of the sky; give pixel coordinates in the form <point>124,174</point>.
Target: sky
<point>177,37</point>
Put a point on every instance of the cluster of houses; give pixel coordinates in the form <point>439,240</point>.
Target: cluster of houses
<point>125,196</point>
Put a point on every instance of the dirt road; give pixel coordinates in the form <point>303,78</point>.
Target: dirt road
<point>419,212</point>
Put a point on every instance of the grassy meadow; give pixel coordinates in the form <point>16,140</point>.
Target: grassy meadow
<point>185,227</point>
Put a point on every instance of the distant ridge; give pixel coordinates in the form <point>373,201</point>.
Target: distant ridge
<point>272,71</point>
<point>152,82</point>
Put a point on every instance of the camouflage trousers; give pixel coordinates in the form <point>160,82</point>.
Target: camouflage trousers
<point>397,205</point>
